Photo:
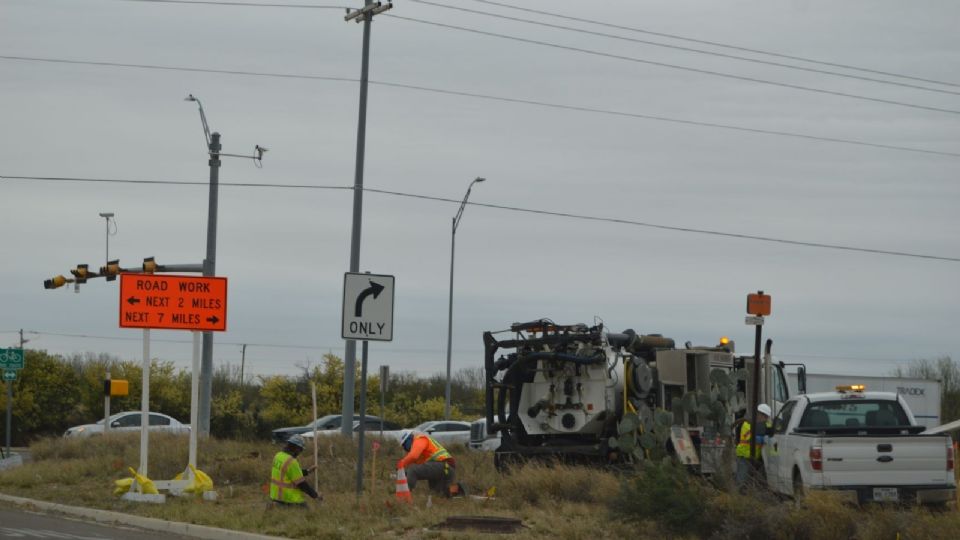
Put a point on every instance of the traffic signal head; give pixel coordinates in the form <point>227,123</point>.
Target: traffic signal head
<point>149,265</point>
<point>54,282</point>
<point>111,270</point>
<point>80,273</point>
<point>115,387</point>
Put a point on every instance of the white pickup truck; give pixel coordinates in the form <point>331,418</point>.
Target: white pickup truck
<point>866,445</point>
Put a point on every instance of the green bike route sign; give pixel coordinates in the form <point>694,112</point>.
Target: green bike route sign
<point>11,359</point>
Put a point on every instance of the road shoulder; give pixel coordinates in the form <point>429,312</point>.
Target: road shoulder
<point>151,524</point>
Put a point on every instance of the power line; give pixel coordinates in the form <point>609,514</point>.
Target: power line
<point>673,66</point>
<point>237,343</point>
<point>240,4</point>
<point>717,43</point>
<point>620,221</point>
<point>686,49</point>
<point>503,99</point>
<point>606,24</point>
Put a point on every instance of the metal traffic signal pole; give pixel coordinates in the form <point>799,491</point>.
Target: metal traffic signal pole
<point>209,269</point>
<point>364,14</point>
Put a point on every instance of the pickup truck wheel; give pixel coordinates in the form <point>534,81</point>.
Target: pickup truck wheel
<point>797,485</point>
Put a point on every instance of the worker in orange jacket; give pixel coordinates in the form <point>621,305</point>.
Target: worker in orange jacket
<point>426,459</point>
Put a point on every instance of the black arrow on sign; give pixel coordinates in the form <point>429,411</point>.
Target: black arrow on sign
<point>133,300</point>
<point>213,319</point>
<point>375,289</point>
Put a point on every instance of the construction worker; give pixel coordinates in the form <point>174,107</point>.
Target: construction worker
<point>744,462</point>
<point>288,482</point>
<point>427,459</point>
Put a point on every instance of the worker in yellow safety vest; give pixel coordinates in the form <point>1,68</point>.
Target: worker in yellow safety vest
<point>426,459</point>
<point>744,462</point>
<point>288,482</point>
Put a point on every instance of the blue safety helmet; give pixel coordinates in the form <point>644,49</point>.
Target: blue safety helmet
<point>406,439</point>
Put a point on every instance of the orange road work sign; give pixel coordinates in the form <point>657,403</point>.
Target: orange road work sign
<point>173,302</point>
<point>758,304</point>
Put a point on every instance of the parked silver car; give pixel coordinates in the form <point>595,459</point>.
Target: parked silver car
<point>446,432</point>
<point>128,421</point>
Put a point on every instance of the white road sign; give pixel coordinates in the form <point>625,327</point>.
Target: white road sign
<point>367,307</point>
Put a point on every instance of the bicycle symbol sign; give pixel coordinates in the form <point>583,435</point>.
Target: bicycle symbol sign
<point>11,359</point>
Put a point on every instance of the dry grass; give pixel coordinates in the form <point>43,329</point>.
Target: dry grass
<point>555,501</point>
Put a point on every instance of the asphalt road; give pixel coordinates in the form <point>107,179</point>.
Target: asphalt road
<point>17,523</point>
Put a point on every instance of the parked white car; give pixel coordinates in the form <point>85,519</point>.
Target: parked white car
<point>446,432</point>
<point>372,429</point>
<point>125,422</point>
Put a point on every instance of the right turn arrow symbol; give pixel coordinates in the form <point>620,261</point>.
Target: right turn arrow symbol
<point>375,289</point>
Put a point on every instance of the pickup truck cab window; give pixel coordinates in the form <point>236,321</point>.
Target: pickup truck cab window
<point>854,412</point>
<point>783,418</point>
<point>780,392</point>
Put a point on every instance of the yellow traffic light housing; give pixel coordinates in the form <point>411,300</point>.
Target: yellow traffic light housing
<point>81,273</point>
<point>116,387</point>
<point>111,270</point>
<point>149,265</point>
<point>55,282</point>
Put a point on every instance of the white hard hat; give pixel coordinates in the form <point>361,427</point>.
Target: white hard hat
<point>763,408</point>
<point>297,440</point>
<point>405,436</point>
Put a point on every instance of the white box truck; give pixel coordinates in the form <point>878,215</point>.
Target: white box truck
<point>921,395</point>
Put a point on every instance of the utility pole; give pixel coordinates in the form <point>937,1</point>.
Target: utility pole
<point>365,15</point>
<point>243,362</point>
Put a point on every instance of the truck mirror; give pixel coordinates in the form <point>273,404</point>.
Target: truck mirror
<point>801,380</point>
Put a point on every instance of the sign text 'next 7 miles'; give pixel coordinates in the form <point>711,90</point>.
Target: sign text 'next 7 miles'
<point>173,302</point>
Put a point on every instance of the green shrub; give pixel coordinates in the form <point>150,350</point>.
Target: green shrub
<point>664,492</point>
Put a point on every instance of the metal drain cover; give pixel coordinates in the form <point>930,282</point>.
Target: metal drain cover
<point>488,524</point>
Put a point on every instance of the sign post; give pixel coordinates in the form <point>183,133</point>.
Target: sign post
<point>172,302</point>
<point>384,381</point>
<point>758,305</point>
<point>10,361</point>
<point>368,316</point>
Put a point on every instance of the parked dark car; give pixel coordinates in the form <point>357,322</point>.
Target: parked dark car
<point>325,423</point>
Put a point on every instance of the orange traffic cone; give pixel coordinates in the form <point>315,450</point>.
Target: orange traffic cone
<point>403,490</point>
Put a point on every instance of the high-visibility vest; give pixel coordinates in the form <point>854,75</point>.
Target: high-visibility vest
<point>743,444</point>
<point>434,451</point>
<point>283,479</point>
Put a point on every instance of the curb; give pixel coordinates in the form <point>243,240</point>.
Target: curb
<point>151,524</point>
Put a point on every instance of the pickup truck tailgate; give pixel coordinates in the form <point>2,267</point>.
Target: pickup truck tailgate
<point>891,461</point>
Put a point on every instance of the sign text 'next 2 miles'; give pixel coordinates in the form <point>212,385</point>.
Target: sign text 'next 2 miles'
<point>173,302</point>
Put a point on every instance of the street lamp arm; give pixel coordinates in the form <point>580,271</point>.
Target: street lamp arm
<point>203,118</point>
<point>463,204</point>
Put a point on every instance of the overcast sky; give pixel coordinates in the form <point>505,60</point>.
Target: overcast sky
<point>285,250</point>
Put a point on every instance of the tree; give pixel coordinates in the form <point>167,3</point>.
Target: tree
<point>945,370</point>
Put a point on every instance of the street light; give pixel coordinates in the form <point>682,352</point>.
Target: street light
<point>453,240</point>
<point>107,216</point>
